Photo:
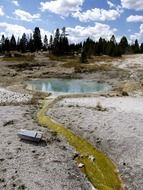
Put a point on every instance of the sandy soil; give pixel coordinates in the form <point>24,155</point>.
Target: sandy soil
<point>48,165</point>
<point>117,130</point>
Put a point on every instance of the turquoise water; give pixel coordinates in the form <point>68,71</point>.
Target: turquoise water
<point>68,85</point>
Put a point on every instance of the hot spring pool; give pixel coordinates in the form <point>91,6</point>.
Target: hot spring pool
<point>67,86</point>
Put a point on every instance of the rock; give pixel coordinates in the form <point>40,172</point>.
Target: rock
<point>2,159</point>
<point>10,122</point>
<point>22,187</point>
<point>33,151</point>
<point>81,156</point>
<point>98,141</point>
<point>124,93</point>
<point>75,156</point>
<point>80,165</point>
<point>2,180</point>
<point>91,157</point>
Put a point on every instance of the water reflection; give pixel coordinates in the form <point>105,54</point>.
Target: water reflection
<point>68,86</point>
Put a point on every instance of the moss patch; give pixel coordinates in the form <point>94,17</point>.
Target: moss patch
<point>102,172</point>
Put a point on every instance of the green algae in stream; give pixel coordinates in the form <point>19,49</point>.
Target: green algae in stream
<point>102,172</point>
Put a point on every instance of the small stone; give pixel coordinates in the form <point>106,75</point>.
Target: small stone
<point>91,157</point>
<point>9,142</point>
<point>2,180</point>
<point>22,187</point>
<point>75,156</point>
<point>11,122</point>
<point>4,170</point>
<point>2,159</point>
<point>81,156</point>
<point>14,185</point>
<point>80,165</point>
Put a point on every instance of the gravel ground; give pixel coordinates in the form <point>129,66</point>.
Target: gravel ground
<point>48,165</point>
<point>9,97</point>
<point>115,126</point>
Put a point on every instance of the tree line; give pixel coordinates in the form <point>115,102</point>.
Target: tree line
<point>111,47</point>
<point>58,44</point>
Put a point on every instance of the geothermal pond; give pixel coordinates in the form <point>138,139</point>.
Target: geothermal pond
<point>67,86</point>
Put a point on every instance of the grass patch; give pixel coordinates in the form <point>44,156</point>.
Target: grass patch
<point>68,61</point>
<point>71,63</point>
<point>92,67</point>
<point>19,58</point>
<point>59,58</point>
<point>127,88</point>
<point>104,58</point>
<point>93,64</point>
<point>38,95</point>
<point>102,172</point>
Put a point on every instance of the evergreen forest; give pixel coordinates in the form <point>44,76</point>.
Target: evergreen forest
<point>58,44</point>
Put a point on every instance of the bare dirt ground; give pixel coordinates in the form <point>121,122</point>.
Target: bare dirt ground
<point>24,165</point>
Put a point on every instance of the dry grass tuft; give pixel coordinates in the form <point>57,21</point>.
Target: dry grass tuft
<point>18,57</point>
<point>127,88</point>
<point>98,63</point>
<point>93,67</point>
<point>99,107</point>
<point>37,96</point>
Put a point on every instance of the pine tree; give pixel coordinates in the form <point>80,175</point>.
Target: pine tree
<point>45,43</point>
<point>141,48</point>
<point>113,39</point>
<point>110,48</point>
<point>88,47</point>
<point>117,51</point>
<point>31,47</point>
<point>51,42</point>
<point>124,45</point>
<point>3,43</point>
<point>37,39</point>
<point>99,47</point>
<point>56,43</point>
<point>83,58</point>
<point>18,44</point>
<point>23,43</point>
<point>104,44</point>
<point>7,45</point>
<point>136,47</point>
<point>63,44</point>
<point>75,49</point>
<point>12,43</point>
